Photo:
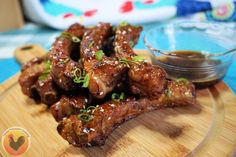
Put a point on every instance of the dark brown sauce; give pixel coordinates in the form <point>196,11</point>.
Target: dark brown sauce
<point>199,68</point>
<point>189,59</point>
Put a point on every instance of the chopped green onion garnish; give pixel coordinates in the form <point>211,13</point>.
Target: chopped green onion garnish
<point>168,92</point>
<point>75,39</point>
<point>65,60</point>
<point>181,80</point>
<point>99,54</point>
<point>86,80</point>
<point>47,69</point>
<point>78,78</point>
<point>85,117</point>
<point>70,36</point>
<point>124,61</point>
<point>122,96</point>
<point>83,110</point>
<point>66,35</point>
<point>47,64</point>
<point>117,97</point>
<point>91,43</point>
<point>123,23</point>
<point>137,59</point>
<point>43,76</point>
<point>88,109</point>
<point>131,43</point>
<point>84,114</point>
<point>81,77</point>
<point>91,108</point>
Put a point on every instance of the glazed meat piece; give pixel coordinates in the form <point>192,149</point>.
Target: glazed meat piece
<point>88,63</point>
<point>105,119</point>
<point>60,57</point>
<point>29,76</point>
<point>105,75</point>
<point>36,81</point>
<point>146,80</point>
<point>108,116</point>
<point>32,62</point>
<point>178,93</point>
<point>47,90</point>
<point>93,41</point>
<point>68,105</point>
<point>126,36</point>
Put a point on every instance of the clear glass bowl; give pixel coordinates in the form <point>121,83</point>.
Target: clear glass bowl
<point>199,51</point>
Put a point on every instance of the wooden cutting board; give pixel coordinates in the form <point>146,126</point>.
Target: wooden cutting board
<point>205,129</point>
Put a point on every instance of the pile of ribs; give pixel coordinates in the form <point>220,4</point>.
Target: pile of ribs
<point>93,81</point>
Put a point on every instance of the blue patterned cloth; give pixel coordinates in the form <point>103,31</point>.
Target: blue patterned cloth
<point>225,11</point>
<point>61,14</point>
<point>186,7</point>
<point>44,36</point>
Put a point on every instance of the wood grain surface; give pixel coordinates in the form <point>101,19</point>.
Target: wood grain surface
<point>205,129</point>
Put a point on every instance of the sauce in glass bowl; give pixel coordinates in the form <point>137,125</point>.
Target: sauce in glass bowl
<point>199,51</point>
<point>198,67</point>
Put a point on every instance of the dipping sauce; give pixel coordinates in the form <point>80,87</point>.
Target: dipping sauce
<point>196,66</point>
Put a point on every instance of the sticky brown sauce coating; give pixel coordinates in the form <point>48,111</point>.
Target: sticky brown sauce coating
<point>144,86</point>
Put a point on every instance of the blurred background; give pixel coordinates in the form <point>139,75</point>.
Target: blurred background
<point>40,21</point>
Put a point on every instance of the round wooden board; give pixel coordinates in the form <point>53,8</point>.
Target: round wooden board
<point>205,129</point>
